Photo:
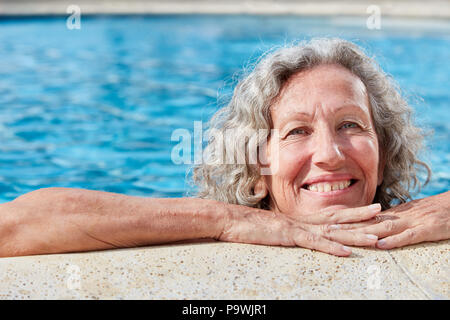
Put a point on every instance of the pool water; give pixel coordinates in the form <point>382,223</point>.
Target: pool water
<point>95,108</point>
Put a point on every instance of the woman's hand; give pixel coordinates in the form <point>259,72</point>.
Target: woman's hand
<point>413,222</point>
<point>315,231</point>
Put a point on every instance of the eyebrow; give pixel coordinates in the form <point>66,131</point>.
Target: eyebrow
<point>309,115</point>
<point>359,110</point>
<point>338,110</point>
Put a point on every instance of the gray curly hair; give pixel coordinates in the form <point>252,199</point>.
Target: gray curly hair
<point>249,110</point>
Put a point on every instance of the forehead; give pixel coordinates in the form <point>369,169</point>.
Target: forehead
<point>326,87</point>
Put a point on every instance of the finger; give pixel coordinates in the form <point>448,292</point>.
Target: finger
<point>314,241</point>
<point>343,215</point>
<point>344,236</point>
<point>377,219</point>
<point>350,226</point>
<point>385,228</point>
<point>407,237</point>
<point>352,238</point>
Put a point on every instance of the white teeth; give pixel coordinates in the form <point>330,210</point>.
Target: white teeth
<point>329,186</point>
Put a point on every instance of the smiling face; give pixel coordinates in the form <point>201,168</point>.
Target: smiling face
<point>328,149</point>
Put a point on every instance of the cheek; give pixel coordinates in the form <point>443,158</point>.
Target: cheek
<point>285,171</point>
<point>364,151</point>
<point>291,161</point>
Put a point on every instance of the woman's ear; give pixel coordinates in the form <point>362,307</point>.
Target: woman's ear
<point>260,188</point>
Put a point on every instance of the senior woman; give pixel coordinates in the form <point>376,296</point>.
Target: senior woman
<point>340,148</point>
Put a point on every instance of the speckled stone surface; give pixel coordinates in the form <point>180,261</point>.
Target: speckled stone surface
<point>218,270</point>
<point>405,8</point>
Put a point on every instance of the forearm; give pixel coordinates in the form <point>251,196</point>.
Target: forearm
<point>66,220</point>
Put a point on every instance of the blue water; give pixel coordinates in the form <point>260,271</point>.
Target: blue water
<point>95,108</point>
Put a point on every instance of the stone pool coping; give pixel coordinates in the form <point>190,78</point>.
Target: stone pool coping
<point>400,8</point>
<point>217,270</point>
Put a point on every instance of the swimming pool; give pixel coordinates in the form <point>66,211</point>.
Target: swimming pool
<point>95,108</point>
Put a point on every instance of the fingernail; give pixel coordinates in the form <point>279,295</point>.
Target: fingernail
<point>335,227</point>
<point>381,243</point>
<point>375,207</point>
<point>346,249</point>
<point>371,237</point>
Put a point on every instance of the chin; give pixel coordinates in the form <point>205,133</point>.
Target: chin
<point>351,197</point>
<point>313,207</point>
<point>336,205</point>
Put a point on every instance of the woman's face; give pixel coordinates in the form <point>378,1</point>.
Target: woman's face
<point>328,149</point>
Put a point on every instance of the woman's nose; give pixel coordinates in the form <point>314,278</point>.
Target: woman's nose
<point>327,151</point>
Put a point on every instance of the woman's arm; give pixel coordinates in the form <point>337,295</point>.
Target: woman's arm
<point>56,220</point>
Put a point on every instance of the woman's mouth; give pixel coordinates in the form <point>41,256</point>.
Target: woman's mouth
<point>322,187</point>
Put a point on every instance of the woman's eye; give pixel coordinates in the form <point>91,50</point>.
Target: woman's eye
<point>349,125</point>
<point>297,131</point>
